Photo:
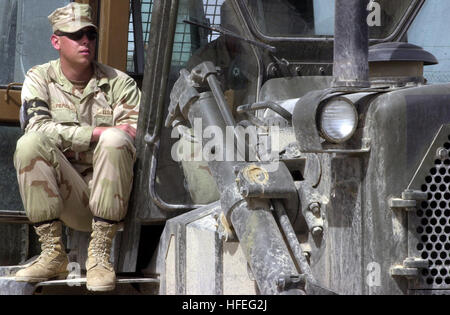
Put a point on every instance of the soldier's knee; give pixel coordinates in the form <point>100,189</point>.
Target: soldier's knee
<point>30,145</point>
<point>117,145</point>
<point>114,137</point>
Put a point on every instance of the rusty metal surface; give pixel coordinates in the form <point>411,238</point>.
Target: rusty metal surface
<point>113,36</point>
<point>9,105</point>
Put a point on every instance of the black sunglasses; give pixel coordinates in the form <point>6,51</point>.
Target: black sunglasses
<point>90,33</point>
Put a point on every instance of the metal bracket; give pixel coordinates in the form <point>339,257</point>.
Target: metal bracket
<point>291,282</point>
<point>410,268</point>
<point>408,201</point>
<point>265,180</point>
<point>8,88</point>
<point>183,95</point>
<point>301,285</point>
<point>314,219</point>
<point>202,71</point>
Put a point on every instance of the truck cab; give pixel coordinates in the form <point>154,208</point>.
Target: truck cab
<point>284,147</point>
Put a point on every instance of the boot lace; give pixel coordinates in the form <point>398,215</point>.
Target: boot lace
<point>48,242</point>
<point>101,246</point>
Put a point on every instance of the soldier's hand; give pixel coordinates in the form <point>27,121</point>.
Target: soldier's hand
<point>128,129</point>
<point>69,154</point>
<point>99,130</point>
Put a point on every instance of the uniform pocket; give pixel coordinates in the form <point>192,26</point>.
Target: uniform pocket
<point>103,117</point>
<point>64,115</point>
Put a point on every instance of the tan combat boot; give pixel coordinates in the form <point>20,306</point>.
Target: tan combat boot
<point>100,273</point>
<point>52,262</point>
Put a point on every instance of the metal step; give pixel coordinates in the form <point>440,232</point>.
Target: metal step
<point>8,286</point>
<point>82,281</point>
<point>12,216</point>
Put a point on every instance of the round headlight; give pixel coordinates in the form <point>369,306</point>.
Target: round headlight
<point>338,120</point>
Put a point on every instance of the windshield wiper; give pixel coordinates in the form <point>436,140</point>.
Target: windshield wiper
<point>226,32</point>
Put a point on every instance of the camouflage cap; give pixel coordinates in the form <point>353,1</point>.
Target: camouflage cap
<point>71,18</point>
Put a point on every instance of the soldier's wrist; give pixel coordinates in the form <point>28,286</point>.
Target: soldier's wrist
<point>96,133</point>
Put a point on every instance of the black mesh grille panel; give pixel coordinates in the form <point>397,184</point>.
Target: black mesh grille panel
<point>434,228</point>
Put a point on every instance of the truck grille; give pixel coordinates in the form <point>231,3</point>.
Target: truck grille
<point>434,228</point>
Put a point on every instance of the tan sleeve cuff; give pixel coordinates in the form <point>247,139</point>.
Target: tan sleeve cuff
<point>81,140</point>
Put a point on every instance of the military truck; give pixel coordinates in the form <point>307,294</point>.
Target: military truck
<point>284,147</point>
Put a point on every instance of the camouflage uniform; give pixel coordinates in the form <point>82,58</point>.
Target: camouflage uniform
<point>58,121</point>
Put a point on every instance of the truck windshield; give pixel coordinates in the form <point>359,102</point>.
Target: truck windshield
<point>315,18</point>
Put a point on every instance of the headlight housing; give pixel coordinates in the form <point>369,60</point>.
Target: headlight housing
<point>338,120</point>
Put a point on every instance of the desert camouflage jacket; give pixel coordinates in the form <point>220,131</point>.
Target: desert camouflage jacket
<point>51,104</point>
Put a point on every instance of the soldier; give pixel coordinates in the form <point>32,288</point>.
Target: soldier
<point>75,161</point>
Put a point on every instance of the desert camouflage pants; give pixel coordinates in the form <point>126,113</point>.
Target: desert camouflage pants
<point>51,187</point>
